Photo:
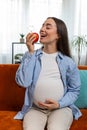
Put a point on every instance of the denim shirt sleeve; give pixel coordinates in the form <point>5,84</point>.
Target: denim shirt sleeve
<point>24,74</point>
<point>72,86</point>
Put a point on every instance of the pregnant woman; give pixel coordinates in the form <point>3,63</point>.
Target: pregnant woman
<point>51,79</point>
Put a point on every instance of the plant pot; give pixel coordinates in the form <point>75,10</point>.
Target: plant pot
<point>21,40</point>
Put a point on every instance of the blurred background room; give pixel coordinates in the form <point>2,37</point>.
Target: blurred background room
<point>18,17</point>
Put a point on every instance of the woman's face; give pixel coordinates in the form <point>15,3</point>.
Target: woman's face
<point>48,32</point>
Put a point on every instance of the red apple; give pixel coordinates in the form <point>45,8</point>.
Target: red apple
<point>36,37</point>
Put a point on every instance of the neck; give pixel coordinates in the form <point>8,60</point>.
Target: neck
<point>49,49</point>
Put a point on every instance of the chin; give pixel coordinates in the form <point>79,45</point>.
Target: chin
<point>43,42</point>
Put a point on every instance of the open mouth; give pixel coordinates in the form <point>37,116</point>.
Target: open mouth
<point>43,35</point>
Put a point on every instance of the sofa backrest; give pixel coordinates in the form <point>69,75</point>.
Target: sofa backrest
<point>11,95</point>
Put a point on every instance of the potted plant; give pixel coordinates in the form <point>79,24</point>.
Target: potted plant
<point>22,37</point>
<point>78,43</point>
<point>18,57</point>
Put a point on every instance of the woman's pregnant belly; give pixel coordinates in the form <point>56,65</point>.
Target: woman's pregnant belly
<point>48,89</point>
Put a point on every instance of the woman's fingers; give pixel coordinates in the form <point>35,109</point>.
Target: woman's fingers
<point>49,104</point>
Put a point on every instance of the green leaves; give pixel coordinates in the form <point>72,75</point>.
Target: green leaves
<point>22,35</point>
<point>78,43</point>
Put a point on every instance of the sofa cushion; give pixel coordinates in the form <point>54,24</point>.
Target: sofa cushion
<point>81,123</point>
<point>82,99</point>
<point>8,123</point>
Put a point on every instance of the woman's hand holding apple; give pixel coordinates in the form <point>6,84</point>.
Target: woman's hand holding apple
<point>31,38</point>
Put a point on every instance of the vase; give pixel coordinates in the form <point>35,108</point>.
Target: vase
<point>22,40</point>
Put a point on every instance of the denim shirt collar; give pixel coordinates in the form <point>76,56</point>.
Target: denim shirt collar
<point>40,52</point>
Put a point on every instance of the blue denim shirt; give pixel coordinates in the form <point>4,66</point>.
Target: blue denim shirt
<point>28,73</point>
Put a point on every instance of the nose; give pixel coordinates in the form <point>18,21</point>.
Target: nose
<point>42,29</point>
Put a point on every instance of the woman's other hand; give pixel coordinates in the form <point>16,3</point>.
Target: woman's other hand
<point>49,104</point>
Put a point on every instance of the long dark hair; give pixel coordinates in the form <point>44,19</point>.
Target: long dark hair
<point>63,42</point>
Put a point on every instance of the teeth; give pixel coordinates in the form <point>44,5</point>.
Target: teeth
<point>43,35</point>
